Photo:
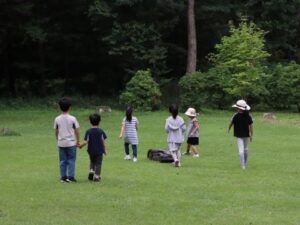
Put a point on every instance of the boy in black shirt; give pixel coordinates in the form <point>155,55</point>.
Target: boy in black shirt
<point>243,129</point>
<point>95,139</point>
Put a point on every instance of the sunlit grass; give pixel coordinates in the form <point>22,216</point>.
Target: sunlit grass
<point>209,190</point>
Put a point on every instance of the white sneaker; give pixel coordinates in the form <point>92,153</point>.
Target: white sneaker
<point>127,157</point>
<point>134,159</point>
<point>196,156</point>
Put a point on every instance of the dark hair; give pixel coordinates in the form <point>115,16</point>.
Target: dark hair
<point>95,119</point>
<point>173,109</point>
<point>129,113</point>
<point>65,104</point>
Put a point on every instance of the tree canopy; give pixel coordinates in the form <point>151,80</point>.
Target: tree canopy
<point>95,47</point>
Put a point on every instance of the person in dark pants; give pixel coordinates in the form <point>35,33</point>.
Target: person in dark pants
<point>95,139</point>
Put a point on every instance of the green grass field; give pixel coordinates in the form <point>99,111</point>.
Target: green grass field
<point>209,190</point>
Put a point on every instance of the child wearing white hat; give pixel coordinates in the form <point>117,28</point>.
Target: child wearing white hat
<point>192,132</point>
<point>243,129</point>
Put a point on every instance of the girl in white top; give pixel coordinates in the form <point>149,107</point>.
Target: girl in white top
<point>129,132</point>
<point>175,128</point>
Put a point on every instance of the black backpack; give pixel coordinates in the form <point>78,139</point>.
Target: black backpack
<point>161,155</point>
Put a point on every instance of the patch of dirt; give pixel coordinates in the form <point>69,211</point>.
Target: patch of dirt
<point>8,132</point>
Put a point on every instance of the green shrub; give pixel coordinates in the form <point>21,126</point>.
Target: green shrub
<point>203,89</point>
<point>284,86</point>
<point>141,92</point>
<point>191,87</point>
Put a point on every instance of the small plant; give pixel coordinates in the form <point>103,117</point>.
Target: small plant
<point>141,92</point>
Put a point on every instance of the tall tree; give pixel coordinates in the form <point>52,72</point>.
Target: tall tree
<point>191,38</point>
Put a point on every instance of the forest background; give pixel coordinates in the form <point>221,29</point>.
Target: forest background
<point>94,47</point>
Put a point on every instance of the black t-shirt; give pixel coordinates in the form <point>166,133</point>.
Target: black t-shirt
<point>95,138</point>
<point>241,122</point>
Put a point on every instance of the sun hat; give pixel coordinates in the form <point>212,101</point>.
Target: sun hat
<point>241,104</point>
<point>191,112</point>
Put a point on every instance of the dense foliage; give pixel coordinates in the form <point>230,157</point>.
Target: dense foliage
<point>284,86</point>
<point>95,47</point>
<point>240,71</point>
<point>141,92</point>
<point>240,59</point>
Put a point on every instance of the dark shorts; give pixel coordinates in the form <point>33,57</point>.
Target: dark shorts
<point>193,140</point>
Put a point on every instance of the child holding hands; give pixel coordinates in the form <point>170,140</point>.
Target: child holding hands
<point>95,139</point>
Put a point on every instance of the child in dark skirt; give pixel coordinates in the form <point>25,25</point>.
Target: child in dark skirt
<point>95,139</point>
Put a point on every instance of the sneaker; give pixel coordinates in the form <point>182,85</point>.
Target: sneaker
<point>97,179</point>
<point>64,180</point>
<point>127,157</point>
<point>91,176</point>
<point>196,156</point>
<point>177,164</point>
<point>243,167</point>
<point>134,159</point>
<point>72,179</point>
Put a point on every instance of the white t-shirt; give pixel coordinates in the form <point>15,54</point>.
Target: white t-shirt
<point>66,125</point>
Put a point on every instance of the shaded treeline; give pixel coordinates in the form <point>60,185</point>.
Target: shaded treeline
<point>93,47</point>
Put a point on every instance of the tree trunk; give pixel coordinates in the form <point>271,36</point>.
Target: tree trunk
<point>191,38</point>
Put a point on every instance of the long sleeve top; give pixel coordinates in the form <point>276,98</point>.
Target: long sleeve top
<point>175,129</point>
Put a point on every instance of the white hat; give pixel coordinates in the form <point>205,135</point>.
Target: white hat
<point>191,112</point>
<point>241,104</point>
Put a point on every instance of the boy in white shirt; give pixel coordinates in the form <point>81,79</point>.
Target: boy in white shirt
<point>67,136</point>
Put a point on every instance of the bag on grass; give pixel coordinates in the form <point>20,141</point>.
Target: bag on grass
<point>161,155</point>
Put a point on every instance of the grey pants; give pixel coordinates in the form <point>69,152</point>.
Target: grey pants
<point>243,150</point>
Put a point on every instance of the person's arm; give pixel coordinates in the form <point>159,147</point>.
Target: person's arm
<point>84,143</point>
<point>230,125</point>
<point>122,130</point>
<point>104,146</point>
<point>77,136</point>
<point>56,133</point>
<point>251,131</point>
<point>195,127</point>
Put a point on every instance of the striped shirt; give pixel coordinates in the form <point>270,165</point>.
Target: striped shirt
<point>130,131</point>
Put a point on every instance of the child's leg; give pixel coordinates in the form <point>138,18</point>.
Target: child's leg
<point>188,149</point>
<point>71,154</point>
<point>63,162</point>
<point>126,145</point>
<point>98,165</point>
<point>174,155</point>
<point>134,150</point>
<point>92,168</point>
<point>178,153</point>
<point>246,142</point>
<point>240,143</point>
<point>194,149</point>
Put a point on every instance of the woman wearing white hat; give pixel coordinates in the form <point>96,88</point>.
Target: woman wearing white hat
<point>243,129</point>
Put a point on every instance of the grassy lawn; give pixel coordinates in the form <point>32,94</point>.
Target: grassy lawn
<point>209,190</point>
